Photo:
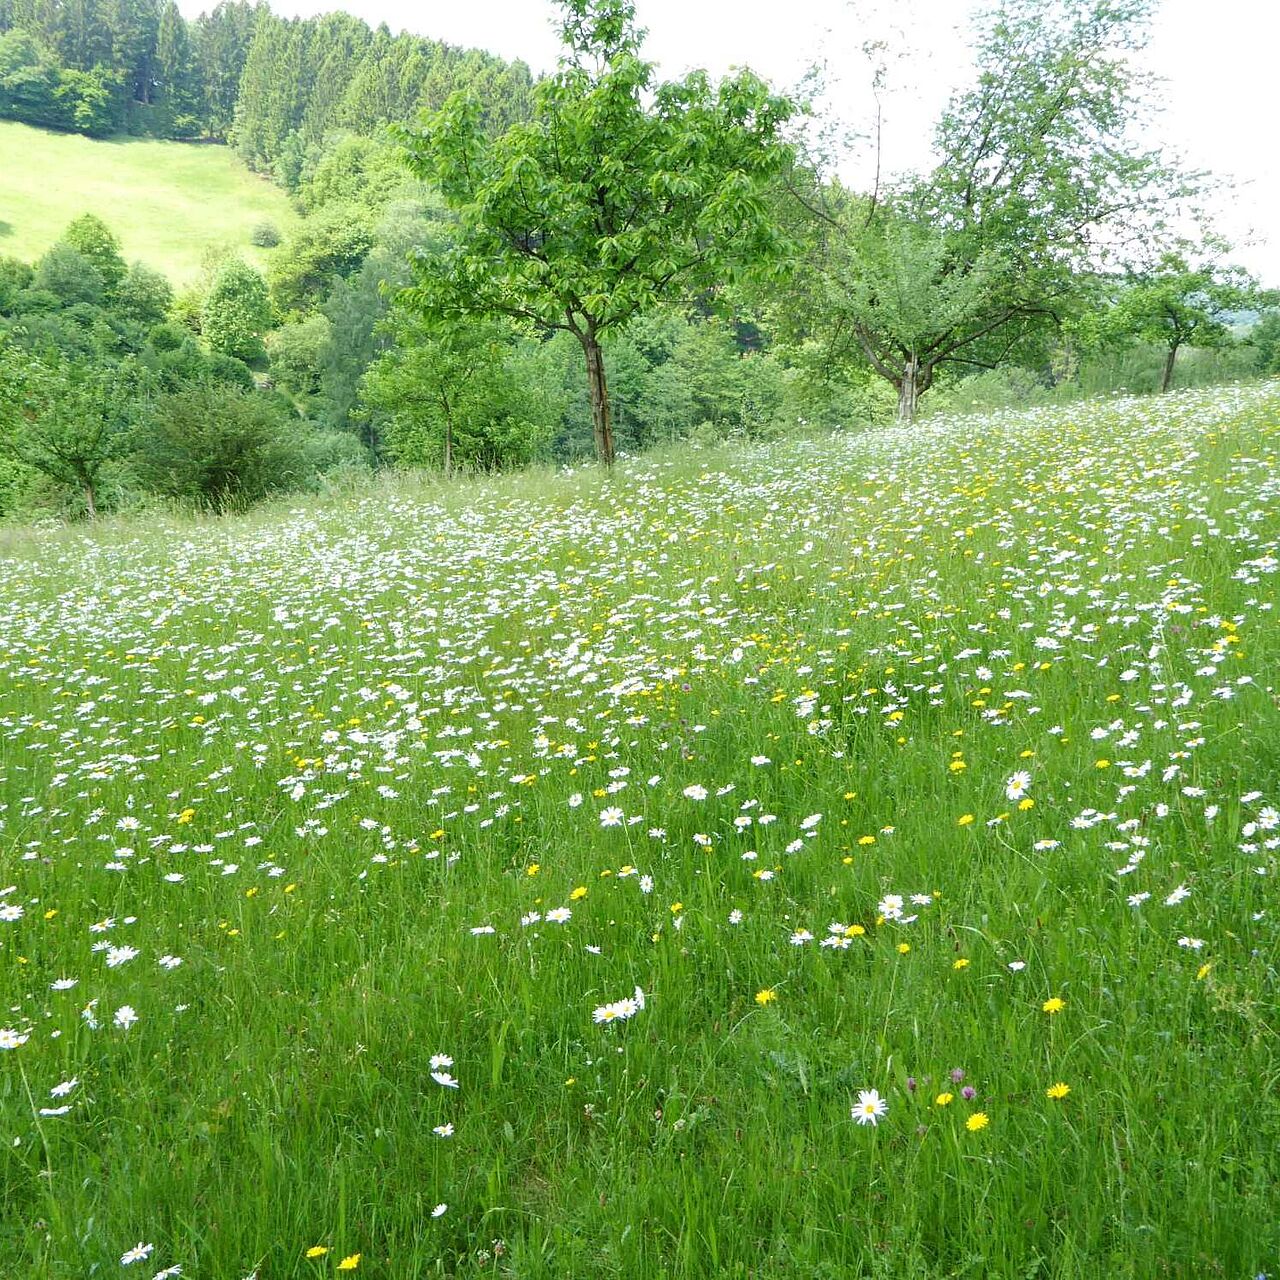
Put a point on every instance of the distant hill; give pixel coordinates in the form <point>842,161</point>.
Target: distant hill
<point>167,201</point>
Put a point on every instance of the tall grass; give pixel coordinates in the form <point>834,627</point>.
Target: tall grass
<point>923,762</point>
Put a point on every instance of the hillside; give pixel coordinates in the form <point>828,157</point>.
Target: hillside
<point>166,201</point>
<point>840,857</point>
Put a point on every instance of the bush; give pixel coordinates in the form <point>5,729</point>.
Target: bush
<point>236,311</point>
<point>295,351</point>
<point>70,276</point>
<point>219,447</point>
<point>143,295</point>
<point>266,235</point>
<point>15,276</point>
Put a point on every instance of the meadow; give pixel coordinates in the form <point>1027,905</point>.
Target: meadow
<point>837,857</point>
<point>167,201</point>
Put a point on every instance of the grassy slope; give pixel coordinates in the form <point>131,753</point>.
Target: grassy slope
<point>330,754</point>
<point>165,200</point>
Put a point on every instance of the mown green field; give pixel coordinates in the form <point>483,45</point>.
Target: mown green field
<point>824,859</point>
<point>167,201</point>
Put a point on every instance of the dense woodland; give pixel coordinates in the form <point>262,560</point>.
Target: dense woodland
<point>490,272</point>
<point>276,86</point>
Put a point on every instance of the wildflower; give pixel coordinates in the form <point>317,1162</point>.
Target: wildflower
<point>439,1211</point>
<point>444,1079</point>
<point>137,1254</point>
<point>578,893</point>
<point>350,1262</point>
<point>962,963</point>
<point>443,1131</point>
<point>943,1099</point>
<point>440,1060</point>
<point>869,1107</point>
<point>1057,1091</point>
<point>317,1251</point>
<point>611,817</point>
<point>125,1017</point>
<point>559,915</point>
<point>968,1093</point>
<point>767,996</point>
<point>1055,1004</point>
<point>1017,785</point>
<point>979,1120</point>
<point>11,1039</point>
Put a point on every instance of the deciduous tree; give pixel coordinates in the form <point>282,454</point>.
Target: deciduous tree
<point>619,194</point>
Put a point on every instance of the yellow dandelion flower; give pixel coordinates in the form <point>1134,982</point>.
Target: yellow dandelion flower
<point>964,820</point>
<point>903,948</point>
<point>1054,1004</point>
<point>979,1120</point>
<point>350,1262</point>
<point>766,996</point>
<point>317,1251</point>
<point>1058,1090</point>
<point>579,892</point>
<point>962,963</point>
<point>943,1099</point>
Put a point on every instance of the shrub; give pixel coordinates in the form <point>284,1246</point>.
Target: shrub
<point>15,276</point>
<point>69,275</point>
<point>236,311</point>
<point>219,447</point>
<point>266,235</point>
<point>143,295</point>
<point>295,351</point>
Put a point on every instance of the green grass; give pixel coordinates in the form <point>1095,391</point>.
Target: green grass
<point>312,750</point>
<point>167,201</point>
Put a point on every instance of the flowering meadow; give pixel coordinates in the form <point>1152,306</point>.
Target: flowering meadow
<point>830,858</point>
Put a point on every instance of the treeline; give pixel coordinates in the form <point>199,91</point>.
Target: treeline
<point>274,86</point>
<point>434,303</point>
<point>116,390</point>
<point>112,388</point>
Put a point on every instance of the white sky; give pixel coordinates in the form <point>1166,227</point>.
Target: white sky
<point>1217,60</point>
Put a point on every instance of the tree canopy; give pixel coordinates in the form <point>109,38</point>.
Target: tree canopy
<point>1038,181</point>
<point>619,194</point>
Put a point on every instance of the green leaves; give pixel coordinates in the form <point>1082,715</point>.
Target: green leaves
<point>602,206</point>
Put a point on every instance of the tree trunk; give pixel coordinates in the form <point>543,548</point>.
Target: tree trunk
<point>90,497</point>
<point>448,438</point>
<point>1166,380</point>
<point>601,416</point>
<point>909,390</point>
